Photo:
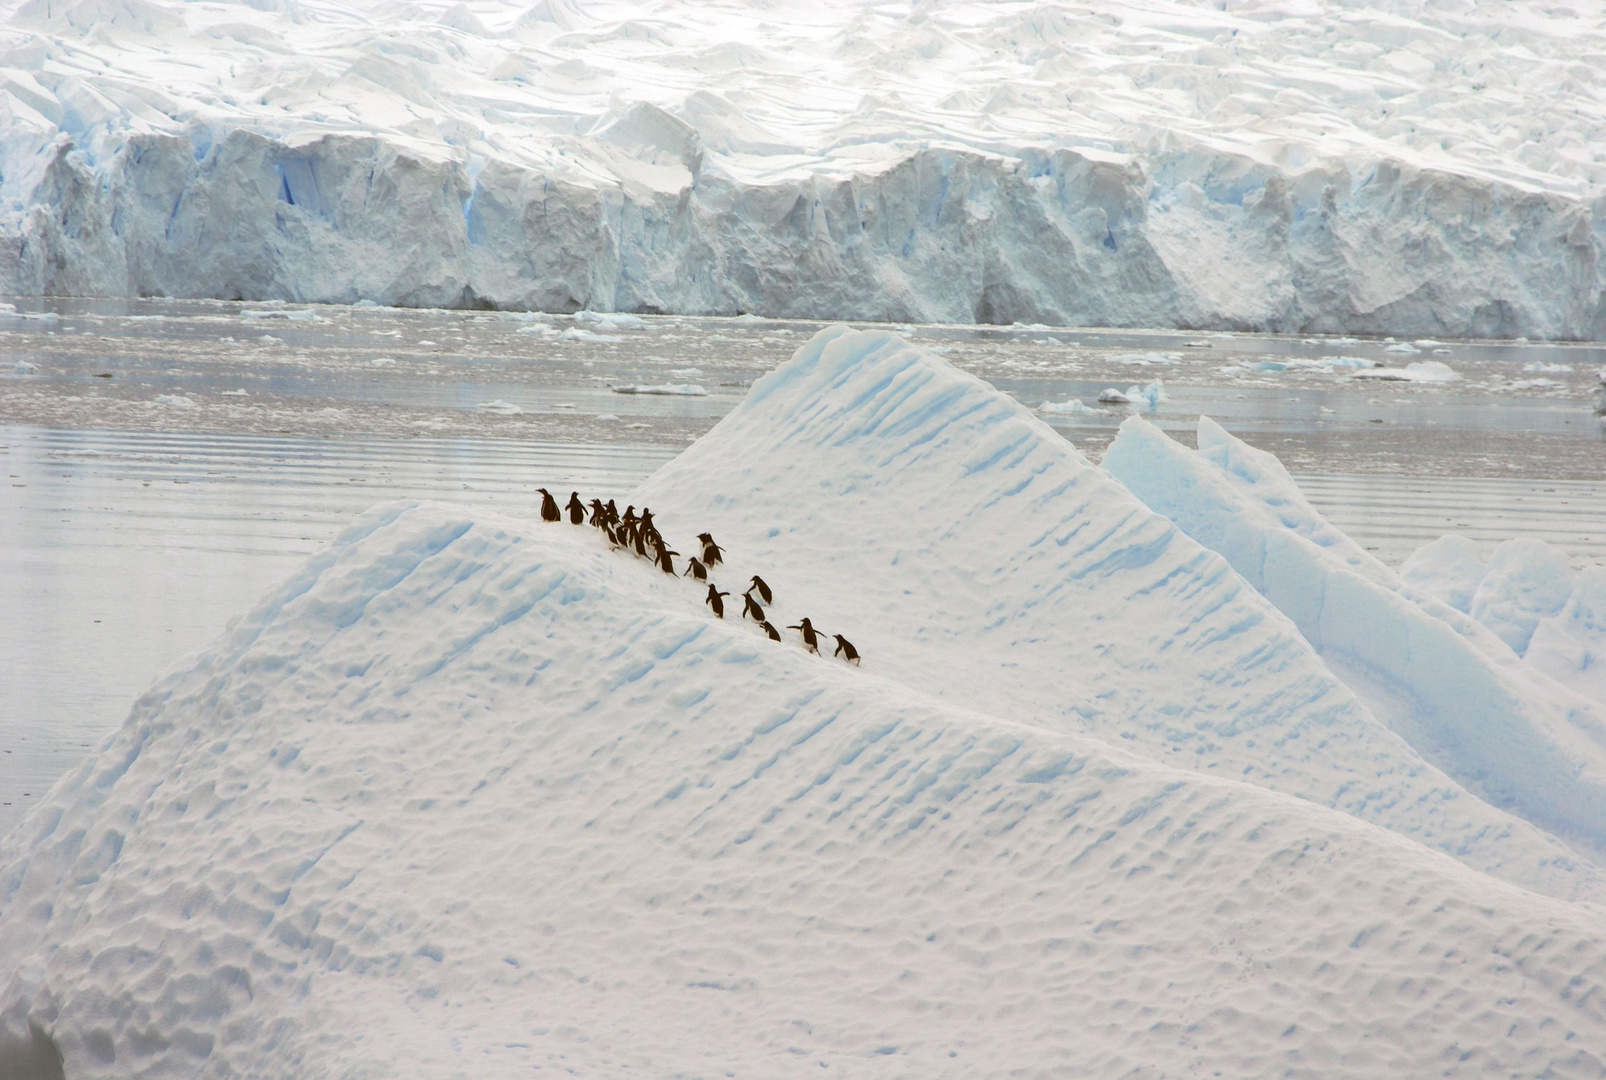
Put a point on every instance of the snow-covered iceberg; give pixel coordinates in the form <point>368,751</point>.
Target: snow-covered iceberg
<point>1445,681</point>
<point>1424,171</point>
<point>471,794</point>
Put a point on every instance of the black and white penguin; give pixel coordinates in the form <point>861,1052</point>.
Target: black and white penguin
<point>696,569</point>
<point>845,649</point>
<point>750,608</point>
<point>775,635</point>
<point>646,520</point>
<point>549,506</point>
<point>764,593</point>
<point>711,550</point>
<point>613,513</point>
<point>665,561</point>
<point>599,513</point>
<point>811,636</point>
<point>576,508</point>
<point>713,600</point>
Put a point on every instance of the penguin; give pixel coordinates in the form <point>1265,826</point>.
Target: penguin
<point>599,513</point>
<point>549,506</point>
<point>764,593</point>
<point>696,569</point>
<point>641,540</point>
<point>845,649</point>
<point>775,635</point>
<point>811,636</point>
<point>750,608</point>
<point>711,550</point>
<point>629,517</point>
<point>646,520</point>
<point>576,508</point>
<point>613,513</point>
<point>665,562</point>
<point>613,537</point>
<point>713,600</point>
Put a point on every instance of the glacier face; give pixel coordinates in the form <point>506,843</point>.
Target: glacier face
<point>1425,172</point>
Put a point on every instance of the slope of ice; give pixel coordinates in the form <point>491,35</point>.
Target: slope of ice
<point>1442,680</point>
<point>1432,169</point>
<point>470,795</point>
<point>967,549</point>
<point>1570,646</point>
<point>1528,596</point>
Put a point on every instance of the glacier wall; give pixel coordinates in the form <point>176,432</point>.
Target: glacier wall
<point>1189,238</point>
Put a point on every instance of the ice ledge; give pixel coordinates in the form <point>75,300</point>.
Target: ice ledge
<point>1188,238</point>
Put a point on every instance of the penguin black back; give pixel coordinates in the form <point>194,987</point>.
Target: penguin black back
<point>711,551</point>
<point>599,513</point>
<point>811,639</point>
<point>713,600</point>
<point>666,562</point>
<point>764,593</point>
<point>549,506</point>
<point>750,608</point>
<point>845,649</point>
<point>775,635</point>
<point>576,508</point>
<point>696,569</point>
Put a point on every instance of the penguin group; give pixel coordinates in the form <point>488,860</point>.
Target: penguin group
<point>637,534</point>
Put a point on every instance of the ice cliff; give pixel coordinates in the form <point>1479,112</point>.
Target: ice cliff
<point>472,794</point>
<point>1430,170</point>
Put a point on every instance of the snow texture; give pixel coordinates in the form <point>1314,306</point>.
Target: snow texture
<point>1530,598</point>
<point>1432,169</point>
<point>1443,681</point>
<point>469,794</point>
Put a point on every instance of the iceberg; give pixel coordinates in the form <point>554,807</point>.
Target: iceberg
<point>1446,682</point>
<point>1426,174</point>
<point>472,793</point>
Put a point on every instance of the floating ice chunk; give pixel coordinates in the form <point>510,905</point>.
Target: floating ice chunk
<point>682,389</point>
<point>1426,343</point>
<point>269,339</point>
<point>381,361</point>
<point>501,408</point>
<point>25,368</point>
<point>608,417</point>
<point>177,401</point>
<point>539,328</point>
<point>563,405</point>
<point>296,314</point>
<point>1543,365</point>
<point>1306,363</point>
<point>686,372</point>
<point>609,321</point>
<point>1533,384</point>
<point>1448,569</point>
<point>1402,347</point>
<point>1570,646</point>
<point>235,393</point>
<point>1112,396</point>
<point>1526,581</point>
<point>748,316</point>
<point>1422,371</point>
<point>1146,358</point>
<point>580,333</point>
<point>1198,345</point>
<point>1072,407</point>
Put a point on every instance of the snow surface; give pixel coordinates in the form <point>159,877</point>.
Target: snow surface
<point>1443,681</point>
<point>1427,170</point>
<point>1526,594</point>
<point>471,794</point>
